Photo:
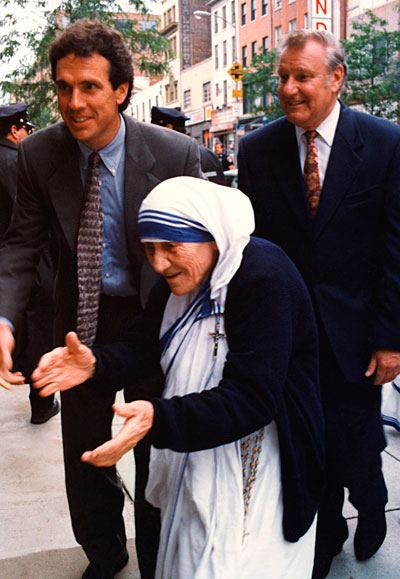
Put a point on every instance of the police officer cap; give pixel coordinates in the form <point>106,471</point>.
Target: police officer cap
<point>15,114</point>
<point>164,116</point>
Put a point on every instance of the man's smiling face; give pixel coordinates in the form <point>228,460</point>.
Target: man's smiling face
<point>87,101</point>
<point>307,89</point>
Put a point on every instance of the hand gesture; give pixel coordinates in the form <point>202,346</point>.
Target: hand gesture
<point>7,343</point>
<point>386,364</point>
<point>64,368</point>
<point>139,420</point>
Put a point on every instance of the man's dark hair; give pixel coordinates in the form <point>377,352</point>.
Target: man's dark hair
<point>86,37</point>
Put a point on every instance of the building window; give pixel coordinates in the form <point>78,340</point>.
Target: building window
<point>278,35</point>
<point>264,7</point>
<point>243,14</point>
<point>306,20</point>
<point>265,45</point>
<point>206,92</point>
<point>171,92</point>
<point>253,49</point>
<point>143,112</point>
<point>175,90</point>
<point>234,49</point>
<point>216,89</point>
<point>215,22</point>
<point>187,99</point>
<point>216,56</point>
<point>225,93</point>
<point>253,10</point>
<point>278,4</point>
<point>172,44</point>
<point>169,16</point>
<point>224,17</point>
<point>233,12</point>
<point>292,25</point>
<point>146,24</point>
<point>244,56</point>
<point>224,53</point>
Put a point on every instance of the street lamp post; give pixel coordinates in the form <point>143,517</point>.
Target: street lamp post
<point>198,14</point>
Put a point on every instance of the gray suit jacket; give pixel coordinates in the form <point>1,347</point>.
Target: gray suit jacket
<point>49,198</point>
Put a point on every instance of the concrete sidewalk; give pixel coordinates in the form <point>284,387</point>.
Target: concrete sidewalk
<point>36,540</point>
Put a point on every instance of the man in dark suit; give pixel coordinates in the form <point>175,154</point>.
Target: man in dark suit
<point>92,69</point>
<point>34,335</point>
<point>340,224</point>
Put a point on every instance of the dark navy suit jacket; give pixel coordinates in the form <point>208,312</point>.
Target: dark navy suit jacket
<point>350,256</point>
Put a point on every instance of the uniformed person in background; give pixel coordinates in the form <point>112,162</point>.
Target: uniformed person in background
<point>34,332</point>
<point>173,119</point>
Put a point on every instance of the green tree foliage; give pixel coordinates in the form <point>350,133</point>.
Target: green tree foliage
<point>31,82</point>
<point>260,85</point>
<point>372,55</point>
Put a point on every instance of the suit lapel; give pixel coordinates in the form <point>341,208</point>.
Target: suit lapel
<point>139,161</point>
<point>344,163</point>
<point>286,165</point>
<point>65,188</point>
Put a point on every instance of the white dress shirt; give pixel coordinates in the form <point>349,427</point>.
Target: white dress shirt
<point>326,133</point>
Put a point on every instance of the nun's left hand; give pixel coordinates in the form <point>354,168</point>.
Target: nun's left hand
<point>139,420</point>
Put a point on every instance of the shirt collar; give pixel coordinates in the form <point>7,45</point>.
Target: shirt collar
<point>327,128</point>
<point>111,153</point>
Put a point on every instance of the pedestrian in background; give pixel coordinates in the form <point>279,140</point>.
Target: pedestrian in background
<point>226,160</point>
<point>325,185</point>
<point>83,180</point>
<point>173,119</point>
<point>34,328</point>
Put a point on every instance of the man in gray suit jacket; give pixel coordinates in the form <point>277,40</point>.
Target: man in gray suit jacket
<point>347,248</point>
<point>92,69</point>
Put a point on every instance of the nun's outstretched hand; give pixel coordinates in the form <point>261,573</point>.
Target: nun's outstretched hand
<point>64,368</point>
<point>139,420</point>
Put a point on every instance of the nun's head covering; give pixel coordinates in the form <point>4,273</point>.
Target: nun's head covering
<point>191,210</point>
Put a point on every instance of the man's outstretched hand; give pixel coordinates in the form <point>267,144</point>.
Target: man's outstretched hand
<point>64,368</point>
<point>7,343</point>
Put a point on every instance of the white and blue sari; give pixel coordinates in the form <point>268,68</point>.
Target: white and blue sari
<point>221,509</point>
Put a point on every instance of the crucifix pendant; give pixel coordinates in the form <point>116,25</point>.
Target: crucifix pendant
<point>216,335</point>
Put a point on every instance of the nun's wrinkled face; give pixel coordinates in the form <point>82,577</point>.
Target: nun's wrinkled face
<point>184,266</point>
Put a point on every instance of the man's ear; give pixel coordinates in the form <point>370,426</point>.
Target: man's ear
<point>14,134</point>
<point>122,91</point>
<point>337,78</point>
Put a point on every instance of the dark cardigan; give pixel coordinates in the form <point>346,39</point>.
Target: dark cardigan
<point>271,373</point>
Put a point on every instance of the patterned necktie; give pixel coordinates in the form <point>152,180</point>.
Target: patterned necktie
<point>311,174</point>
<point>89,255</point>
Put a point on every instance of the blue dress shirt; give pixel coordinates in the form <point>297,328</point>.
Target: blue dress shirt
<point>117,275</point>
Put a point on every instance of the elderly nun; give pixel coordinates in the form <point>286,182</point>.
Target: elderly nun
<point>237,436</point>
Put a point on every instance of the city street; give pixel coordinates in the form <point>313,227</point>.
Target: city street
<point>36,540</point>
